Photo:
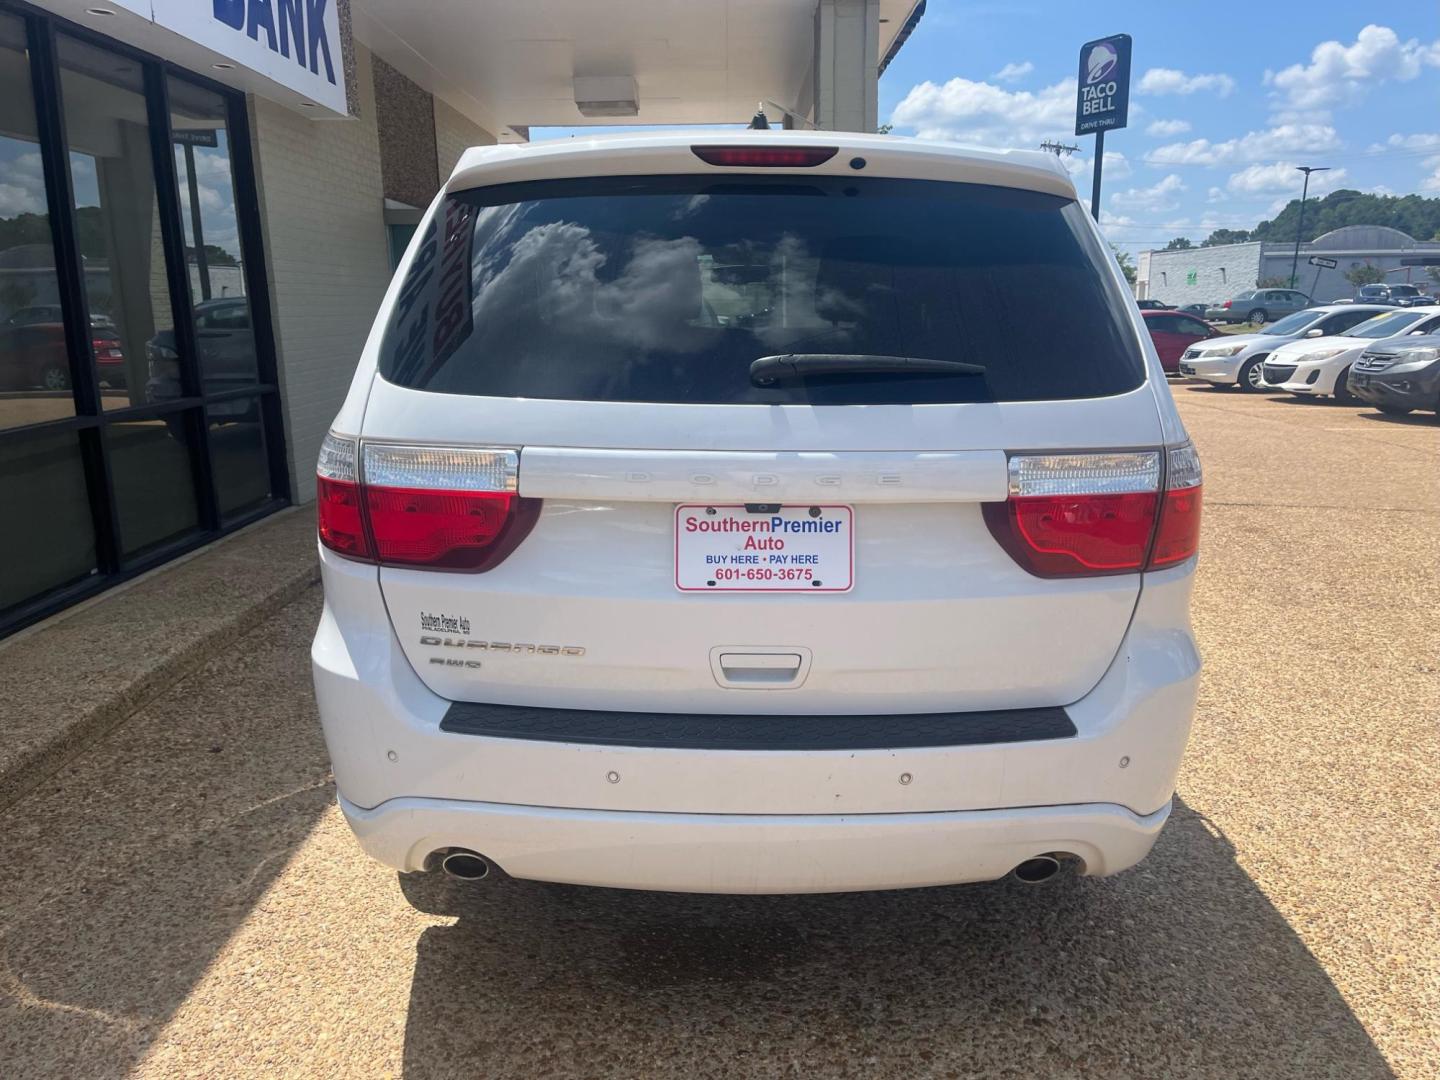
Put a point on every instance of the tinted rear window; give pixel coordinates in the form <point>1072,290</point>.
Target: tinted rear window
<point>665,289</point>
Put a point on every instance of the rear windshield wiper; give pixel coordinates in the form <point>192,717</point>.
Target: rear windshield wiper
<point>769,370</point>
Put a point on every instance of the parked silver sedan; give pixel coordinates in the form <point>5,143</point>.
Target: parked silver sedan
<point>1259,306</point>
<point>1237,359</point>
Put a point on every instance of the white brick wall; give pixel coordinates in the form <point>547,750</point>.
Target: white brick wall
<point>1219,273</point>
<point>454,134</point>
<point>321,207</point>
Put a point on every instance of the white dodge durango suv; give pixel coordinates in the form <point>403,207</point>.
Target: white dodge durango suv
<point>722,515</point>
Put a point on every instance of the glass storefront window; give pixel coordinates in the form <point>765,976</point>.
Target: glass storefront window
<point>117,215</point>
<point>104,493</point>
<point>223,334</point>
<point>34,364</point>
<point>151,469</point>
<point>48,541</point>
<point>237,455</point>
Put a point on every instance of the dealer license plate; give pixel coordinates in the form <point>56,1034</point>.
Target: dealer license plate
<point>792,549</point>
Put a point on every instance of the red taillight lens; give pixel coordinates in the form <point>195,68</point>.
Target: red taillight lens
<point>447,530</point>
<point>1086,515</point>
<point>1178,536</point>
<point>444,508</point>
<point>1063,536</point>
<point>766,157</point>
<point>1226,304</point>
<point>342,526</point>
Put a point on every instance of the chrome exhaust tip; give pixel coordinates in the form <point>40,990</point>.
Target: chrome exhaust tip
<point>1037,870</point>
<point>464,865</point>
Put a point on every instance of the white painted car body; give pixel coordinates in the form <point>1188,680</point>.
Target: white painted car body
<point>1222,360</point>
<point>585,615</point>
<point>1311,368</point>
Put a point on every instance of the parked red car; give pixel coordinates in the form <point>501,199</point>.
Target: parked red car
<point>1173,332</point>
<point>33,354</point>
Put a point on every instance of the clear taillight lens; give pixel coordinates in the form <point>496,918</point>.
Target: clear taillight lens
<point>337,499</point>
<point>445,508</point>
<point>1086,515</point>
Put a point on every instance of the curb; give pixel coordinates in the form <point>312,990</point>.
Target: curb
<point>255,572</point>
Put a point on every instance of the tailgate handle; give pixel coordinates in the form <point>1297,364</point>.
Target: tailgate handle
<point>770,669</point>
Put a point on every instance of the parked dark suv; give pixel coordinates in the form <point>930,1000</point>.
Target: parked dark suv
<point>1399,376</point>
<point>226,343</point>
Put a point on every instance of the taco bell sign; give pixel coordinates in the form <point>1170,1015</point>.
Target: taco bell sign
<point>1103,98</point>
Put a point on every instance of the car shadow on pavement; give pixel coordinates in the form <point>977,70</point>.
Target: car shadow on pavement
<point>1414,419</point>
<point>1180,967</point>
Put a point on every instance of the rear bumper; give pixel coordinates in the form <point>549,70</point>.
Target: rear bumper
<point>737,820</point>
<point>733,853</point>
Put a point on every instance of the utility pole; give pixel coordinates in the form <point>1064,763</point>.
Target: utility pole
<point>1059,149</point>
<point>1300,226</point>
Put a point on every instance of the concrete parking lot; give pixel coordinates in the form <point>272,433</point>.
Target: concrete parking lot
<point>184,899</point>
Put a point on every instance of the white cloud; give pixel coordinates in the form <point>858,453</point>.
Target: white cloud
<point>1283,139</point>
<point>1117,166</point>
<point>1281,176</point>
<point>1412,142</point>
<point>16,199</point>
<point>1215,194</point>
<point>1344,73</point>
<point>1432,182</point>
<point>987,115</point>
<point>1158,197</point>
<point>1166,129</point>
<point>1171,81</point>
<point>1012,72</point>
<point>22,186</point>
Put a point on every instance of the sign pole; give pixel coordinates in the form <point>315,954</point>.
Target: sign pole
<point>1095,181</point>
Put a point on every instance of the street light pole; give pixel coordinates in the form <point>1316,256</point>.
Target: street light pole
<point>1300,227</point>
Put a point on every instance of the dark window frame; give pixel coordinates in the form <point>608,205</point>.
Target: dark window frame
<point>42,30</point>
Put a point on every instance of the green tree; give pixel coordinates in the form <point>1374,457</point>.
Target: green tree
<point>1365,275</point>
<point>1127,264</point>
<point>1226,236</point>
<point>1413,214</point>
<point>1180,243</point>
<point>215,256</point>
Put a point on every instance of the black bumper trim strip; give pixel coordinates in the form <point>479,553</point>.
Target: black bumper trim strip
<point>699,731</point>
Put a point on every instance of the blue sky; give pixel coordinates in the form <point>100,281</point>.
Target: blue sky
<point>1226,98</point>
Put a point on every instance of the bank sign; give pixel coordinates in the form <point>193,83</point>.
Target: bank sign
<point>286,50</point>
<point>1103,100</point>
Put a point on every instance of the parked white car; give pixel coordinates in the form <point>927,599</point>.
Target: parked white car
<point>1236,360</point>
<point>1321,367</point>
<point>699,520</point>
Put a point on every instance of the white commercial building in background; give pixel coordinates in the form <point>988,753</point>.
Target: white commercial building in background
<point>212,194</point>
<point>1207,275</point>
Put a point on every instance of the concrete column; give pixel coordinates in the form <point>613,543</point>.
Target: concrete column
<point>847,55</point>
